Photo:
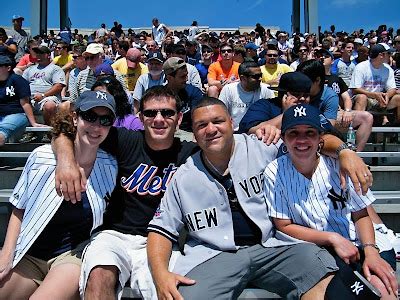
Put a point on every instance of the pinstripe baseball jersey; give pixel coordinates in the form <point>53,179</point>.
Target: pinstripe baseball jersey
<point>317,203</point>
<point>35,193</point>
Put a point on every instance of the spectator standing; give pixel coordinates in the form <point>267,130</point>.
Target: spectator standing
<point>193,31</point>
<point>159,31</point>
<point>102,31</point>
<point>20,36</point>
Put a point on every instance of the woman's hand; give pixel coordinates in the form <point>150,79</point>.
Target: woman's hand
<point>344,248</point>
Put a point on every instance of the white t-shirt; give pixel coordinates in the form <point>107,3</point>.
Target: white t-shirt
<point>158,33</point>
<point>238,100</point>
<point>373,80</point>
<point>317,203</point>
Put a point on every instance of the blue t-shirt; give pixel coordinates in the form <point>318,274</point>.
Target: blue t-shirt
<point>203,71</point>
<point>12,91</point>
<point>190,96</point>
<point>327,101</point>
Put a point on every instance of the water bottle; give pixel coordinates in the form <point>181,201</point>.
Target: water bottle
<point>351,137</point>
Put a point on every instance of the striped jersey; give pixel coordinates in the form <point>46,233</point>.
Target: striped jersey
<point>35,193</point>
<point>317,203</point>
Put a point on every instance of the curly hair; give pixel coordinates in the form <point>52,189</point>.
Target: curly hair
<point>63,123</point>
<point>115,88</point>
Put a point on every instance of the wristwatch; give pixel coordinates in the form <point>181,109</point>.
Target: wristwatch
<point>43,96</point>
<point>370,245</point>
<point>347,110</point>
<point>340,148</point>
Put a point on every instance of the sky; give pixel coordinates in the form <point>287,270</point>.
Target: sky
<point>347,15</point>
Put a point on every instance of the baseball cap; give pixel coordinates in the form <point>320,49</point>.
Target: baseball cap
<point>205,46</point>
<point>301,114</point>
<point>93,49</point>
<point>41,49</point>
<point>133,57</point>
<point>325,52</point>
<point>251,46</point>
<point>358,41</point>
<point>103,69</point>
<point>17,17</point>
<point>379,48</point>
<point>172,64</point>
<point>272,42</point>
<point>5,60</point>
<point>294,82</point>
<point>156,55</point>
<point>91,99</point>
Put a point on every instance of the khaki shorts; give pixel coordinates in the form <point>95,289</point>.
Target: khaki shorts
<point>37,269</point>
<point>372,104</point>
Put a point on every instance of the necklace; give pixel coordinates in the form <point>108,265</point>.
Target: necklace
<point>214,168</point>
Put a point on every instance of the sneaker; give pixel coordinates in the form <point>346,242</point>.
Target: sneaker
<point>28,137</point>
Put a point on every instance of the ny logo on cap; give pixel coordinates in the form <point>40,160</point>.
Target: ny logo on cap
<point>101,95</point>
<point>154,54</point>
<point>300,111</point>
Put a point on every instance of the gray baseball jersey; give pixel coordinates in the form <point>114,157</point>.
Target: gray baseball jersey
<point>196,199</point>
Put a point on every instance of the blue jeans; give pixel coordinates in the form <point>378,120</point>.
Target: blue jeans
<point>13,123</point>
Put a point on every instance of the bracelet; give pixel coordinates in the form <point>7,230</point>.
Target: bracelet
<point>340,148</point>
<point>370,245</point>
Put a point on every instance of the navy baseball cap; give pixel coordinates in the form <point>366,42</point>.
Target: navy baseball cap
<point>104,69</point>
<point>5,60</point>
<point>301,114</point>
<point>323,51</point>
<point>156,55</point>
<point>379,48</point>
<point>251,46</point>
<point>92,99</point>
<point>294,82</point>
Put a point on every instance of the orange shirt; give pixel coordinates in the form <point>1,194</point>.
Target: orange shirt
<point>215,71</point>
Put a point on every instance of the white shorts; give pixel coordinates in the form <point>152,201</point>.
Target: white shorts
<point>38,106</point>
<point>128,253</point>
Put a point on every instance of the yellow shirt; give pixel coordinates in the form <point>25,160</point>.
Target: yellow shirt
<point>275,72</point>
<point>61,61</point>
<point>129,75</point>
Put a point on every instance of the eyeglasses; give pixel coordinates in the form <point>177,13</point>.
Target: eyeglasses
<point>302,50</point>
<point>91,117</point>
<point>272,55</point>
<point>255,76</point>
<point>59,48</point>
<point>91,57</point>
<point>76,56</point>
<point>165,113</point>
<point>206,51</point>
<point>226,50</point>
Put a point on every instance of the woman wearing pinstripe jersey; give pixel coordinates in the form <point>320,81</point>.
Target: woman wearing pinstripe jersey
<point>46,235</point>
<point>307,202</point>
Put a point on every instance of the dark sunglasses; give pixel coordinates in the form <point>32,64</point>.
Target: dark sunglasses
<point>91,117</point>
<point>303,50</point>
<point>206,51</point>
<point>58,48</point>
<point>76,56</point>
<point>226,50</point>
<point>165,113</point>
<point>255,76</point>
<point>272,55</point>
<point>91,57</point>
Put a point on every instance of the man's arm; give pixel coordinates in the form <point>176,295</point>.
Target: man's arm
<point>69,178</point>
<point>54,90</point>
<point>350,164</point>
<point>159,250</point>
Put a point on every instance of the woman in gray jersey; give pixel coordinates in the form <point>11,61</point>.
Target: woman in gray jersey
<point>307,202</point>
<point>46,235</point>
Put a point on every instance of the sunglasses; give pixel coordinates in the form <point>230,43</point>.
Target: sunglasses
<point>91,57</point>
<point>255,76</point>
<point>272,55</point>
<point>206,51</point>
<point>91,117</point>
<point>165,113</point>
<point>226,50</point>
<point>303,50</point>
<point>59,48</point>
<point>76,56</point>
